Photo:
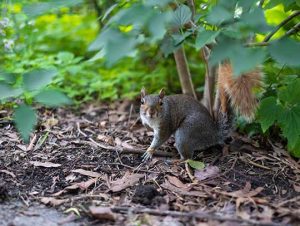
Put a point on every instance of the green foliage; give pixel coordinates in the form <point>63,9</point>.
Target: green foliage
<point>25,119</point>
<point>284,109</point>
<point>196,164</point>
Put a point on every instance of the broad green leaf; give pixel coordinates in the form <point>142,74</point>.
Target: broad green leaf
<point>103,38</point>
<point>205,37</point>
<point>295,151</point>
<point>219,14</point>
<point>273,3</point>
<point>196,164</point>
<point>256,20</point>
<point>290,93</point>
<point>36,9</point>
<point>157,2</point>
<point>7,91</point>
<point>168,45</point>
<point>289,120</point>
<point>182,15</point>
<point>137,14</point>
<point>38,78</point>
<point>243,59</point>
<point>157,25</point>
<point>268,112</point>
<point>25,120</point>
<point>117,49</point>
<point>52,98</point>
<point>9,78</point>
<point>285,51</point>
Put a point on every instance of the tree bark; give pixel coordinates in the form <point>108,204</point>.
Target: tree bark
<point>184,72</point>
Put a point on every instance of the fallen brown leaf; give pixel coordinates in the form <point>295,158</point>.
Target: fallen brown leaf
<point>128,180</point>
<point>106,139</point>
<point>175,181</point>
<point>102,213</point>
<point>52,201</point>
<point>45,164</point>
<point>207,172</point>
<point>87,173</point>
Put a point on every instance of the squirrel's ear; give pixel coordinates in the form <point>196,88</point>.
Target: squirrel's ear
<point>161,93</point>
<point>143,92</point>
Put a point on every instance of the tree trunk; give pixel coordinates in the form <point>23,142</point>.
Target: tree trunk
<point>184,72</point>
<point>210,80</point>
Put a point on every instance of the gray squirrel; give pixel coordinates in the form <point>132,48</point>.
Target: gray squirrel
<point>190,122</point>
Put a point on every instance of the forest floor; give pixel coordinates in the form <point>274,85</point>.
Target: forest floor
<point>84,167</point>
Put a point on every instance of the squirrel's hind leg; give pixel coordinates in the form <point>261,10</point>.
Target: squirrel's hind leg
<point>183,146</point>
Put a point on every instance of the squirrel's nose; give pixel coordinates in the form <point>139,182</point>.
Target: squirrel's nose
<point>151,112</point>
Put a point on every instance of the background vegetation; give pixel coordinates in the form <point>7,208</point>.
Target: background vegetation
<point>73,51</point>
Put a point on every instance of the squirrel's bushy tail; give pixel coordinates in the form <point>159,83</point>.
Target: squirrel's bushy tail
<point>235,95</point>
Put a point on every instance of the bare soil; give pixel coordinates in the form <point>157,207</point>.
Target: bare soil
<point>86,163</point>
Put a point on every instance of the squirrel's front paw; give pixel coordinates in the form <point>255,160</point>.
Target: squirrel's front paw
<point>148,154</point>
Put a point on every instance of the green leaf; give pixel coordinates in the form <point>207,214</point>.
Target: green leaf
<point>103,38</point>
<point>285,51</point>
<point>243,59</point>
<point>9,78</point>
<point>157,25</point>
<point>65,57</point>
<point>25,120</point>
<point>289,120</point>
<point>196,164</point>
<point>256,20</point>
<point>205,37</point>
<point>268,112</point>
<point>295,151</point>
<point>290,93</point>
<point>219,14</point>
<point>182,15</point>
<point>52,98</point>
<point>36,9</point>
<point>7,91</point>
<point>168,45</point>
<point>38,78</point>
<point>119,48</point>
<point>137,14</point>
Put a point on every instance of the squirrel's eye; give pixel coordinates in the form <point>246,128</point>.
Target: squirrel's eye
<point>142,101</point>
<point>160,103</point>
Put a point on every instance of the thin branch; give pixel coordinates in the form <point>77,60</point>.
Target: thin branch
<point>293,30</point>
<point>98,11</point>
<point>255,44</point>
<point>191,4</point>
<point>285,21</point>
<point>193,214</point>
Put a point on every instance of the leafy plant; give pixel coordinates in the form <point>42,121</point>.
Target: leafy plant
<point>284,110</point>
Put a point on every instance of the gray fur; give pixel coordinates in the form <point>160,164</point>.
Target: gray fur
<point>183,116</point>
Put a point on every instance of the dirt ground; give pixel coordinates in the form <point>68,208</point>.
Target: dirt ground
<point>85,166</point>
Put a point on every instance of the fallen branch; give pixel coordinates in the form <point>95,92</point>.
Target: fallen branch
<point>124,150</point>
<point>192,214</point>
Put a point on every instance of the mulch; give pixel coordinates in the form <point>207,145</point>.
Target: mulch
<point>87,162</point>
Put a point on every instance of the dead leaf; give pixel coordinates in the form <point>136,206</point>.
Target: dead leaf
<point>128,180</point>
<point>246,192</point>
<point>53,201</point>
<point>296,187</point>
<point>102,213</point>
<point>167,185</point>
<point>45,164</point>
<point>175,181</point>
<point>207,172</point>
<point>86,184</point>
<point>106,139</point>
<point>8,172</point>
<point>87,173</point>
<point>22,147</point>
